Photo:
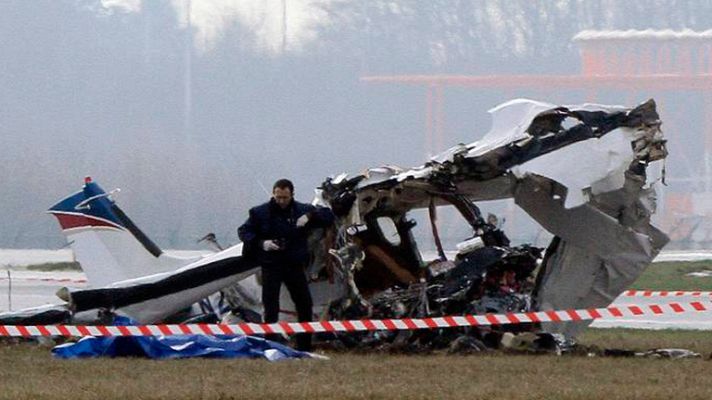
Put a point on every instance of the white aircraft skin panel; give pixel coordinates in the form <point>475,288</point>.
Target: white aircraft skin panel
<point>109,256</point>
<point>510,121</point>
<point>579,165</point>
<point>234,251</point>
<point>154,310</point>
<point>98,263</point>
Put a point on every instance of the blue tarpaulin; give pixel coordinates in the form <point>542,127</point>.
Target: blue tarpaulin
<point>179,346</point>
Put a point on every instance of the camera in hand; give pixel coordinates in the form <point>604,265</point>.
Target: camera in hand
<point>281,242</point>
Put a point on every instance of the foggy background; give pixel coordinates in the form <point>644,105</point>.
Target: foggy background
<point>192,107</point>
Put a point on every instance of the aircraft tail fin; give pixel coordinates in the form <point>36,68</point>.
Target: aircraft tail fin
<point>106,242</point>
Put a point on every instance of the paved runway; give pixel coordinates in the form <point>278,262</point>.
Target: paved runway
<point>701,320</point>
<point>30,289</point>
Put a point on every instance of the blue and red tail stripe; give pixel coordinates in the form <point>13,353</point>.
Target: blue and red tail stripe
<point>73,221</point>
<point>91,207</point>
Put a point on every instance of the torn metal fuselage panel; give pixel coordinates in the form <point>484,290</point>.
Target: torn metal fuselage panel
<point>579,171</point>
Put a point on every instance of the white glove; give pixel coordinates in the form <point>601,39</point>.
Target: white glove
<point>270,245</point>
<point>301,221</point>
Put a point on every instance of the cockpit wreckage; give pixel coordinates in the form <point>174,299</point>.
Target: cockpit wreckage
<point>579,171</point>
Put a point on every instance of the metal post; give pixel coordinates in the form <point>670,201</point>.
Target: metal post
<point>9,290</point>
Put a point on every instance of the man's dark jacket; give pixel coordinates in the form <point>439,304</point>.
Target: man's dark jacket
<point>269,221</point>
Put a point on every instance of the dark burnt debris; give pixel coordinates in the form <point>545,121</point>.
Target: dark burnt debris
<point>482,278</point>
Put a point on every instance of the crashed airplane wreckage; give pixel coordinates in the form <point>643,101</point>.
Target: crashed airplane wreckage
<point>579,171</point>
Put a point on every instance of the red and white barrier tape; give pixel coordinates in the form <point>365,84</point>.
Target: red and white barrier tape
<point>665,293</point>
<point>356,325</point>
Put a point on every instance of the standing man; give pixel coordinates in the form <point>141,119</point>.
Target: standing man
<point>275,235</point>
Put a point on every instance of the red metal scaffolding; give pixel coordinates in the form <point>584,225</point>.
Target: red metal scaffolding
<point>631,61</point>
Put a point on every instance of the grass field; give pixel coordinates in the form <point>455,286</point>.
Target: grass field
<point>673,276</point>
<point>29,372</point>
<point>55,266</point>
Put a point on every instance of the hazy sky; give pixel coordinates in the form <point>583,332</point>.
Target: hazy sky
<point>191,107</point>
<point>210,19</point>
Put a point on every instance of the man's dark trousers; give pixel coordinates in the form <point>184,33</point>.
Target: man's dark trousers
<point>294,278</point>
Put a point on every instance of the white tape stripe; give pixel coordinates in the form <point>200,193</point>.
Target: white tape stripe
<point>400,324</point>
<point>34,331</point>
<point>277,329</point>
<point>135,331</point>
<point>73,330</point>
<point>317,327</point>
<point>56,329</point>
<point>358,325</point>
<point>94,331</point>
<point>668,309</point>
<point>522,317</point>
<point>420,323</point>
<point>155,330</point>
<point>541,316</point>
<point>379,325</point>
<point>338,326</point>
<point>256,328</point>
<point>664,293</point>
<point>563,315</point>
<point>362,325</point>
<point>440,322</point>
<point>481,320</point>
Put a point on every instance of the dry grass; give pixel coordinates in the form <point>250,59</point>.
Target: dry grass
<point>29,372</point>
<point>640,339</point>
<point>55,266</point>
<point>673,276</point>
